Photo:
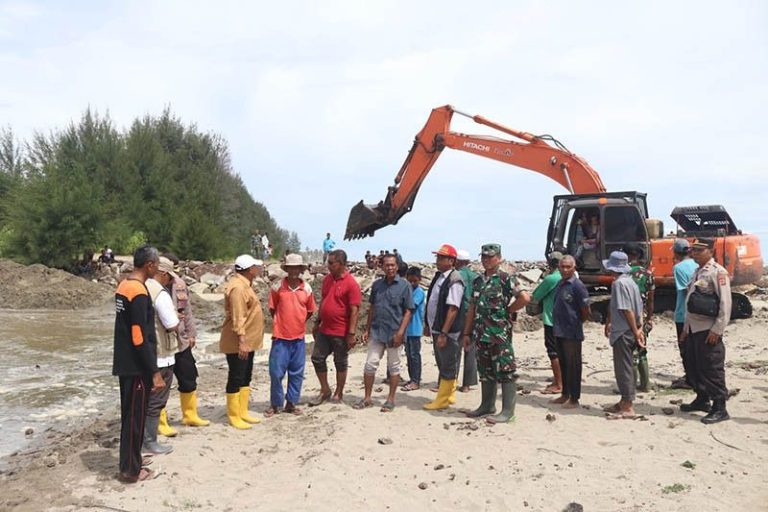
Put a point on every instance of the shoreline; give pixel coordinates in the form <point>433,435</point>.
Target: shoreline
<point>333,451</point>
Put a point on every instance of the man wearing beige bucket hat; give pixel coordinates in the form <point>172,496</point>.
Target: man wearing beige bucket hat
<point>291,304</point>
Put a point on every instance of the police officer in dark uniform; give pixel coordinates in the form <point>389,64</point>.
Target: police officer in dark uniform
<point>708,310</point>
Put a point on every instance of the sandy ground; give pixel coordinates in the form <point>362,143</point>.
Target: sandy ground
<point>331,456</point>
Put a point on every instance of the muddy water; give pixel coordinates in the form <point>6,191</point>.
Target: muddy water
<point>56,369</point>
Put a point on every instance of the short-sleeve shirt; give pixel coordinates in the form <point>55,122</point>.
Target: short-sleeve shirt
<point>338,296</point>
<point>291,306</point>
<point>570,296</point>
<point>455,298</point>
<point>625,296</point>
<point>416,325</point>
<point>328,245</point>
<point>683,272</point>
<point>491,296</point>
<point>545,294</point>
<point>389,302</point>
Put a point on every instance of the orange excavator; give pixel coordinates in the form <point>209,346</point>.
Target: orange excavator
<point>617,218</point>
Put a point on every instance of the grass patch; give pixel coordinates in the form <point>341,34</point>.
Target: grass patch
<point>675,488</point>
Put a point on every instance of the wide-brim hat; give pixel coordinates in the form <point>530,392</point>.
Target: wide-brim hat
<point>166,265</point>
<point>293,260</point>
<point>617,262</point>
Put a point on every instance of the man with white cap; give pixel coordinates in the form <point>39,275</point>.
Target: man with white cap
<point>623,328</point>
<point>469,376</point>
<point>241,334</point>
<point>291,304</point>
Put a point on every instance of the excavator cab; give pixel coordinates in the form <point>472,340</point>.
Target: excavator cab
<point>591,226</point>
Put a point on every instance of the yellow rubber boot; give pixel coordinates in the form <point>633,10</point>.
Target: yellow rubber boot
<point>233,412</point>
<point>442,401</point>
<point>452,398</point>
<point>163,428</point>
<point>189,410</point>
<point>245,394</point>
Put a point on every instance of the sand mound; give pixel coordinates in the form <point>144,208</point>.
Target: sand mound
<point>37,287</point>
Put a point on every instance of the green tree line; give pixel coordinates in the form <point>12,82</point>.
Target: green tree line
<point>91,184</point>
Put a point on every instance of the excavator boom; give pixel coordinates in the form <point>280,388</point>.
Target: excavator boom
<point>542,154</point>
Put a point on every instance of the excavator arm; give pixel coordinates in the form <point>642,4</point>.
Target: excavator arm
<point>531,152</point>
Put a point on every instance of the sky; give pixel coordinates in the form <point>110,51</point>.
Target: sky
<point>320,101</point>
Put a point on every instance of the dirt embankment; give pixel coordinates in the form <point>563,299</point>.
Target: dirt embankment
<point>39,287</point>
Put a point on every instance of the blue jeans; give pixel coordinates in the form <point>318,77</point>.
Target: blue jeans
<point>413,356</point>
<point>286,355</point>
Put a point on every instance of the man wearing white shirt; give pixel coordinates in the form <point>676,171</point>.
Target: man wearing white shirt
<point>166,327</point>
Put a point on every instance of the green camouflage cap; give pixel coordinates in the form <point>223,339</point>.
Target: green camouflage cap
<point>490,250</point>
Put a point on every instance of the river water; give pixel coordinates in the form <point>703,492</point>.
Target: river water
<point>56,367</point>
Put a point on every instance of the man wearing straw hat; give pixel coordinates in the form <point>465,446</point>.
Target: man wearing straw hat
<point>291,304</point>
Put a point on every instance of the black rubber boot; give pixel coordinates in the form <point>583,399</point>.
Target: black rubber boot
<point>701,403</point>
<point>488,400</point>
<point>508,401</point>
<point>717,414</point>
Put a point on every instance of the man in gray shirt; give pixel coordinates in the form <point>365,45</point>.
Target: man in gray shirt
<point>624,331</point>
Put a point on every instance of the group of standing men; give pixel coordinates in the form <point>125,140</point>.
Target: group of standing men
<point>464,313</point>
<point>702,312</point>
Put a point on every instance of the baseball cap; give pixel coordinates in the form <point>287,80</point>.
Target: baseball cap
<point>246,261</point>
<point>490,250</point>
<point>446,250</point>
<point>681,246</point>
<point>704,243</point>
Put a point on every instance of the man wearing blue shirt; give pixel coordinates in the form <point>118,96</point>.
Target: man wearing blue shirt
<point>569,312</point>
<point>328,246</point>
<point>414,331</point>
<point>391,309</point>
<point>684,268</point>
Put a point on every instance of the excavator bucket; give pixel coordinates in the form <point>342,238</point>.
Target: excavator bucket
<point>364,220</point>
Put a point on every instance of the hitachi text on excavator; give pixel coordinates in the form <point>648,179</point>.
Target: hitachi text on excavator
<point>619,217</point>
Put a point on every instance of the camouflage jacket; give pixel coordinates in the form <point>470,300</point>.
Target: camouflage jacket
<point>491,296</point>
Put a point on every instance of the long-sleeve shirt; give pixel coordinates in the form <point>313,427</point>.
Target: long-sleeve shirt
<point>244,316</point>
<point>135,340</point>
<point>180,294</point>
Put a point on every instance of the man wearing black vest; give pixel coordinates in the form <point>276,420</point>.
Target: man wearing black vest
<point>445,320</point>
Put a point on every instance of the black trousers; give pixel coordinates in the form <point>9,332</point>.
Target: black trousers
<point>708,364</point>
<point>134,397</point>
<point>569,354</point>
<point>240,371</point>
<point>687,367</point>
<point>185,370</point>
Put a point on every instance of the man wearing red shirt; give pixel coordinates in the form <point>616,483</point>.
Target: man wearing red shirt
<point>291,303</point>
<point>336,325</point>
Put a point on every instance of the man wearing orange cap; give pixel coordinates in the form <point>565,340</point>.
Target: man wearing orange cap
<point>445,320</point>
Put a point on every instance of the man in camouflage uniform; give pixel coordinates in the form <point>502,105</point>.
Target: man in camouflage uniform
<point>703,333</point>
<point>643,278</point>
<point>491,316</point>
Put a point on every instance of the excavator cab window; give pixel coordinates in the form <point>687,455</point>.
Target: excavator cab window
<point>622,225</point>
